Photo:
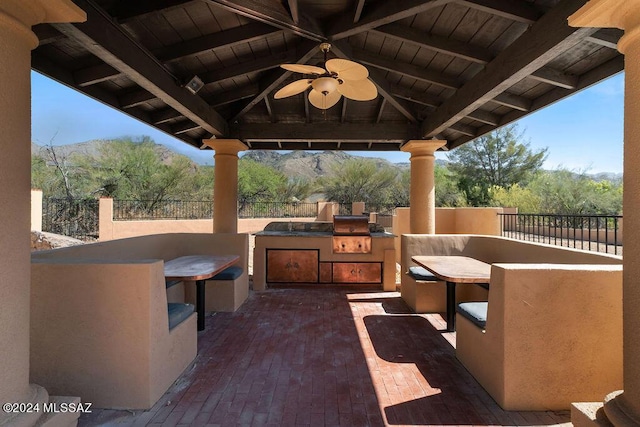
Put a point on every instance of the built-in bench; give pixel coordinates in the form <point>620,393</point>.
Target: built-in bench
<point>528,342</point>
<point>107,326</point>
<point>178,313</point>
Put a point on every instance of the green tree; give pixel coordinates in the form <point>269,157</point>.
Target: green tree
<point>361,180</point>
<point>448,194</point>
<point>516,196</point>
<point>258,182</point>
<point>497,159</point>
<point>567,192</point>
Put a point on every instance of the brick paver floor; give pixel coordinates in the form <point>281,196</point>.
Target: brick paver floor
<point>324,357</point>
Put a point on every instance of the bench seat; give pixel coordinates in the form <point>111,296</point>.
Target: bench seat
<point>421,274</point>
<point>229,273</point>
<point>178,313</point>
<point>476,312</point>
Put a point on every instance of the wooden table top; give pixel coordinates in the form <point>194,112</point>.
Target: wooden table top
<point>458,269</point>
<point>197,267</point>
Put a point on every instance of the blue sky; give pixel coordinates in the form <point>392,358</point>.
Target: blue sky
<point>583,132</point>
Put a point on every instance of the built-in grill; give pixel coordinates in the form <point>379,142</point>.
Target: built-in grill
<point>351,234</point>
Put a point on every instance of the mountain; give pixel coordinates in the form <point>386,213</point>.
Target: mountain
<point>311,165</point>
<point>94,147</point>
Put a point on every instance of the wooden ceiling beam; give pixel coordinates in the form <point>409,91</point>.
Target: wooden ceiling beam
<point>322,131</point>
<point>586,80</point>
<point>544,41</point>
<point>607,37</point>
<point>305,52</point>
<point>510,100</point>
<point>519,11</point>
<point>405,69</point>
<point>221,40</point>
<point>95,74</point>
<point>293,9</point>
<point>267,103</point>
<point>343,113</point>
<point>65,77</point>
<point>46,34</point>
<point>184,127</point>
<point>274,13</point>
<point>135,98</point>
<point>358,12</point>
<point>381,13</point>
<point>107,40</point>
<point>468,52</point>
<point>383,102</point>
<point>163,116</point>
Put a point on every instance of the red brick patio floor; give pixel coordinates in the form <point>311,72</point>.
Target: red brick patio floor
<point>324,357</point>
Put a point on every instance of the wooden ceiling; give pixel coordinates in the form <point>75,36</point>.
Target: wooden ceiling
<point>444,69</point>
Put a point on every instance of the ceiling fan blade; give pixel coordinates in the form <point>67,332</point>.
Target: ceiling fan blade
<point>347,70</point>
<point>304,69</point>
<point>293,88</point>
<point>358,90</point>
<point>323,102</point>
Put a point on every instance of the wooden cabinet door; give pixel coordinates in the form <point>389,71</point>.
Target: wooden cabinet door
<point>357,272</point>
<point>369,272</point>
<point>292,266</point>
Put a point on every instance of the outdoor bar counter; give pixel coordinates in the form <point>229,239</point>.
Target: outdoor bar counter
<point>305,253</point>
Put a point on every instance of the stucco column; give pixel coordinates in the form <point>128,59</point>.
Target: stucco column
<point>225,184</point>
<point>16,42</point>
<point>422,216</point>
<point>623,408</point>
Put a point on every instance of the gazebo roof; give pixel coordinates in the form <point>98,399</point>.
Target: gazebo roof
<point>445,69</point>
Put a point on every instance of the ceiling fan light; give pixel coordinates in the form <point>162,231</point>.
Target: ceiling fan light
<point>325,84</point>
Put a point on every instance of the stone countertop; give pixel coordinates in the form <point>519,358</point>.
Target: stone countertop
<point>317,227</point>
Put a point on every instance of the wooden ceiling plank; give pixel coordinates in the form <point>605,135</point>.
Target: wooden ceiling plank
<point>545,40</point>
<point>519,11</point>
<point>405,69</point>
<point>221,40</point>
<point>106,39</point>
<point>293,9</point>
<point>275,14</point>
<point>127,10</point>
<point>436,43</point>
<point>382,13</point>
<point>65,77</point>
<point>258,65</point>
<point>320,131</point>
<point>270,83</point>
<point>95,74</point>
<point>233,95</point>
<point>421,98</point>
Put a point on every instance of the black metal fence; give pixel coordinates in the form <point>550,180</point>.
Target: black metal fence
<point>76,218</point>
<point>277,210</point>
<point>600,233</point>
<point>125,210</point>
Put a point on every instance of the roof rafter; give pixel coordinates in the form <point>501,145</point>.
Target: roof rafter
<point>273,13</point>
<point>383,13</point>
<point>106,39</point>
<point>311,132</point>
<point>545,40</point>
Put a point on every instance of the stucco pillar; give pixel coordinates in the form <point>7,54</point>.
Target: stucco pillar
<point>16,42</point>
<point>225,184</point>
<point>422,216</point>
<point>623,408</point>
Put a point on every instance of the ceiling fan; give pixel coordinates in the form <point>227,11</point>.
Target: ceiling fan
<point>338,78</point>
